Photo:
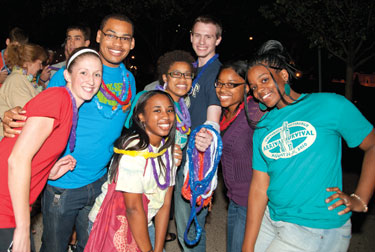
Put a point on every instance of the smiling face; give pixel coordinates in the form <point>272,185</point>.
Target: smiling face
<point>85,77</point>
<point>33,67</point>
<point>204,40</point>
<point>114,50</point>
<point>264,88</point>
<point>178,87</point>
<point>158,118</point>
<point>230,97</point>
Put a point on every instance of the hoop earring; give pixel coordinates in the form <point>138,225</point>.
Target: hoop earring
<point>287,89</point>
<point>262,106</point>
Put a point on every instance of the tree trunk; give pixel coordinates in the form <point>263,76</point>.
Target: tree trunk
<point>349,82</point>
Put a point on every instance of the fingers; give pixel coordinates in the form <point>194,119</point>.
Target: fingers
<point>343,199</point>
<point>177,155</point>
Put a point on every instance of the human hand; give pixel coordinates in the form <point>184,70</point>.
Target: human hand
<point>3,75</point>
<point>62,166</point>
<point>45,75</point>
<point>21,240</point>
<point>203,140</point>
<point>13,118</point>
<point>177,155</point>
<point>351,203</point>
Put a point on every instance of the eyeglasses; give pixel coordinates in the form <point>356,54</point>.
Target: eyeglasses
<point>177,74</point>
<point>229,85</point>
<point>112,37</point>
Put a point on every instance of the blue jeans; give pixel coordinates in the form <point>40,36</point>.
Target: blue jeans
<point>64,209</point>
<point>284,236</point>
<point>182,212</point>
<point>235,226</point>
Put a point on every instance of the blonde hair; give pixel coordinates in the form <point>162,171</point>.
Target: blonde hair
<point>19,54</point>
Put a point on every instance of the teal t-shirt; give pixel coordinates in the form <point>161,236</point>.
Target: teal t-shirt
<point>99,125</point>
<point>180,138</point>
<point>299,146</point>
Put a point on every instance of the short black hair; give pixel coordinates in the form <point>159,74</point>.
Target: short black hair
<point>86,31</point>
<point>18,35</point>
<point>116,16</point>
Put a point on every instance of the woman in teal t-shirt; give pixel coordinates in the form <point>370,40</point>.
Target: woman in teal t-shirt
<point>295,199</point>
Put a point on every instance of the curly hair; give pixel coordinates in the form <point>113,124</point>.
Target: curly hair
<point>168,59</point>
<point>19,54</point>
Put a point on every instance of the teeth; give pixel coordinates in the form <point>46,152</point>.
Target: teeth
<point>224,96</point>
<point>88,89</point>
<point>265,96</point>
<point>164,126</point>
<point>115,51</point>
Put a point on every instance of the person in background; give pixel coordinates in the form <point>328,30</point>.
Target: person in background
<point>296,202</point>
<point>25,60</point>
<point>16,36</point>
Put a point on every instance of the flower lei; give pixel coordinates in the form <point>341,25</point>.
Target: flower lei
<point>113,97</point>
<point>200,174</point>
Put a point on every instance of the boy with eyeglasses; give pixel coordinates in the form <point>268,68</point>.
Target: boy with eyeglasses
<point>205,37</point>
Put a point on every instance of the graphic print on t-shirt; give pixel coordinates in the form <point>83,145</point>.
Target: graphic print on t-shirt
<point>289,140</point>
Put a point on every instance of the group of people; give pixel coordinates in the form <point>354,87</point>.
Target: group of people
<point>281,156</point>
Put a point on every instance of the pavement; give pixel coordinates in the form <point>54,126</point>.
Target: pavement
<point>363,238</point>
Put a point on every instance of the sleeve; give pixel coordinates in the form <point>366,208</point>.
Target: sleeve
<point>259,163</point>
<point>130,174</point>
<point>351,124</point>
<point>58,79</point>
<point>19,94</point>
<point>212,98</point>
<point>52,103</point>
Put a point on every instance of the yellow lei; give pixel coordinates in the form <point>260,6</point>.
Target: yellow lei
<point>135,153</point>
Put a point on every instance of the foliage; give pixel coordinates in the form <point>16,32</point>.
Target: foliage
<point>344,27</point>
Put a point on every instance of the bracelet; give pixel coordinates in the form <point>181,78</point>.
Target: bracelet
<point>43,80</point>
<point>365,208</point>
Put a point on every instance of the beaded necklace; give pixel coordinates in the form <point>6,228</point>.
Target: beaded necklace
<point>168,170</point>
<point>200,174</point>
<point>72,136</point>
<point>225,124</point>
<point>113,97</point>
<point>183,116</point>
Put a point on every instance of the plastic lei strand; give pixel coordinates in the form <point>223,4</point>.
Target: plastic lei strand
<point>134,153</point>
<point>200,174</point>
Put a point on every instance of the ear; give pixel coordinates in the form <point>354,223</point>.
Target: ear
<point>67,76</point>
<point>218,40</point>
<point>284,75</point>
<point>98,36</point>
<point>87,43</point>
<point>132,45</point>
<point>7,41</point>
<point>165,79</point>
<point>247,88</point>
<point>141,118</point>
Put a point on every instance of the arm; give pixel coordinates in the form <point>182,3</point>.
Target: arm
<point>162,220</point>
<point>214,113</point>
<point>44,77</point>
<point>13,118</point>
<point>137,220</point>
<point>366,185</point>
<point>35,132</point>
<point>256,206</point>
<point>3,75</point>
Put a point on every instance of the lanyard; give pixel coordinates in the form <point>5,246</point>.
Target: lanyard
<point>5,66</point>
<point>203,68</point>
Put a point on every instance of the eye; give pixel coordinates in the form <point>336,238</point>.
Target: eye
<point>99,75</point>
<point>264,80</point>
<point>83,72</point>
<point>157,110</point>
<point>170,110</point>
<point>253,87</point>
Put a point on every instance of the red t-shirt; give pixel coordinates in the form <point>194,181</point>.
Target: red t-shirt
<point>53,103</point>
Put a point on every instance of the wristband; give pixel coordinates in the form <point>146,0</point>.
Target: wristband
<point>365,208</point>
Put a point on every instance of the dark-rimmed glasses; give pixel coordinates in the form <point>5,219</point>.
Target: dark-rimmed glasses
<point>113,37</point>
<point>177,74</point>
<point>229,85</point>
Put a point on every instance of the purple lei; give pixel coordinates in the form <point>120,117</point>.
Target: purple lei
<point>124,86</point>
<point>184,115</point>
<point>72,136</point>
<point>168,171</point>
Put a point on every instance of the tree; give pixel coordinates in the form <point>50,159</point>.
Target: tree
<point>344,27</point>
